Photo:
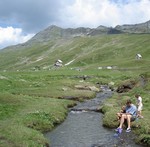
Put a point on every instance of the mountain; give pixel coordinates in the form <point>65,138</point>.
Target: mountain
<point>136,28</point>
<point>54,32</point>
<point>81,47</point>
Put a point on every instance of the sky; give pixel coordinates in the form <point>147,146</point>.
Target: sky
<point>22,19</point>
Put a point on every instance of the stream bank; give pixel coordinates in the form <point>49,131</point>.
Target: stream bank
<point>84,127</point>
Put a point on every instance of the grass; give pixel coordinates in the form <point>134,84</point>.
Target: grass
<point>106,50</point>
<point>41,84</point>
<point>28,101</point>
<point>113,105</point>
<point>23,118</point>
<point>30,89</point>
<point>29,104</point>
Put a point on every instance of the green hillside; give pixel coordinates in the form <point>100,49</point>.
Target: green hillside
<point>34,102</point>
<point>105,50</point>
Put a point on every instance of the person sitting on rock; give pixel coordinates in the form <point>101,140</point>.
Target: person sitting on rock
<point>129,115</point>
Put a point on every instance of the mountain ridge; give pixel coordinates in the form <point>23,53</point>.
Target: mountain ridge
<point>55,32</point>
<point>100,30</point>
<point>84,46</point>
<point>135,28</point>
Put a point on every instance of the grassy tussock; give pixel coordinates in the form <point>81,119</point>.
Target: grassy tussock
<point>30,117</point>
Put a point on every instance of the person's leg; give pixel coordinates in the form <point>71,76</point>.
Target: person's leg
<point>140,114</point>
<point>138,111</point>
<point>129,121</point>
<point>123,117</point>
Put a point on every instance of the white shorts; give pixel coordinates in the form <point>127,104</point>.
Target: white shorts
<point>140,107</point>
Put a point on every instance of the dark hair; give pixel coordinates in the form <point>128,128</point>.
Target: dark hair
<point>128,102</point>
<point>137,95</point>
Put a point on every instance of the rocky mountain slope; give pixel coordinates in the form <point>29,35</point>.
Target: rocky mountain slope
<point>136,28</point>
<point>54,32</point>
<point>80,46</point>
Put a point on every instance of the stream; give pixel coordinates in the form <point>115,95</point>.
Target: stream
<point>83,127</point>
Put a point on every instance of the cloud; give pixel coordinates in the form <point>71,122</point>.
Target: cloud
<point>93,13</point>
<point>12,36</point>
<point>32,16</point>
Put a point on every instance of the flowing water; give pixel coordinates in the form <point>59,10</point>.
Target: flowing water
<point>83,127</point>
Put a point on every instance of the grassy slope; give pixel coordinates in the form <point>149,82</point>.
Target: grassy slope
<point>106,50</point>
<point>27,107</point>
<point>23,117</point>
<point>26,97</point>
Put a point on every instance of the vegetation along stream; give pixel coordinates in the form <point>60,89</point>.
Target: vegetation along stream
<point>83,127</point>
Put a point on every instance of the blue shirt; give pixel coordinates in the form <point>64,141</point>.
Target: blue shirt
<point>131,109</point>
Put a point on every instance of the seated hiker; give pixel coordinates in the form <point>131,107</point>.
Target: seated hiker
<point>129,115</point>
<point>119,114</point>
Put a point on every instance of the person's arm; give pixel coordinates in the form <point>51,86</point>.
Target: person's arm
<point>128,113</point>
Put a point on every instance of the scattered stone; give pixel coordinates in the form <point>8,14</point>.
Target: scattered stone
<point>100,67</point>
<point>93,88</point>
<point>64,89</point>
<point>109,67</point>
<point>111,84</point>
<point>3,77</point>
<point>82,87</point>
<point>85,87</point>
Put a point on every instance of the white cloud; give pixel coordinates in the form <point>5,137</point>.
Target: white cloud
<point>66,13</point>
<point>12,36</point>
<point>93,13</point>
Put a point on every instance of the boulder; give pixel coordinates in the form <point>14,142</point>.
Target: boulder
<point>125,87</point>
<point>85,87</point>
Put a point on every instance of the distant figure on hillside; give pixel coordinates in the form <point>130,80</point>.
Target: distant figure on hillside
<point>138,56</point>
<point>139,105</point>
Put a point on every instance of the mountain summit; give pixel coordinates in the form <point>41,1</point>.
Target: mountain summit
<point>55,32</point>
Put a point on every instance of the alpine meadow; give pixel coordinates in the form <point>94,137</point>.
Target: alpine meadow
<point>35,92</point>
